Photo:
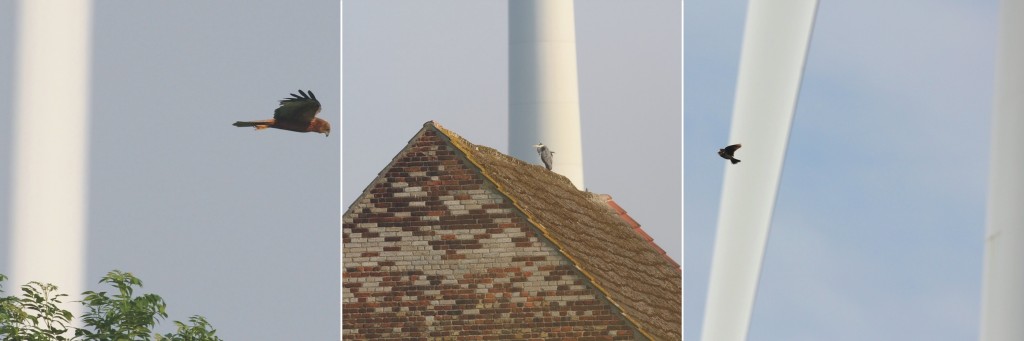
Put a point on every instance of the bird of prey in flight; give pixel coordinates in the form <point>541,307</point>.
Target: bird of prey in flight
<point>727,152</point>
<point>297,113</point>
<point>545,154</point>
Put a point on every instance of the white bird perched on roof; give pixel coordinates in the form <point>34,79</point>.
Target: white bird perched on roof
<point>545,154</point>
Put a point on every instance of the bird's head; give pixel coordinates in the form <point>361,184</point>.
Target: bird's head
<point>539,145</point>
<point>324,128</point>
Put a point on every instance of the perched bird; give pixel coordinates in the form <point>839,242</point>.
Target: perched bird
<point>727,152</point>
<point>545,154</point>
<point>297,113</point>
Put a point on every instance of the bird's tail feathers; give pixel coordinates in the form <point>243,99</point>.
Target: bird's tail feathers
<point>735,161</point>
<point>258,124</point>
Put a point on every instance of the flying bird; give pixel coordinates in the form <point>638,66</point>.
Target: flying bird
<point>727,152</point>
<point>545,154</point>
<point>297,113</point>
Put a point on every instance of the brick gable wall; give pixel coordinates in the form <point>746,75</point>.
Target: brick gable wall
<point>431,250</point>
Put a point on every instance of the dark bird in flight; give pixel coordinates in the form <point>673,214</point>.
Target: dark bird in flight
<point>727,152</point>
<point>545,154</point>
<point>297,113</point>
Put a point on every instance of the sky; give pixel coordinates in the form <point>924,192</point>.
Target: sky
<point>239,226</point>
<point>878,230</point>
<point>407,62</point>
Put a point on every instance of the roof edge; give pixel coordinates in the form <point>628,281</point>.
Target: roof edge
<point>636,228</point>
<point>456,141</point>
<point>380,175</point>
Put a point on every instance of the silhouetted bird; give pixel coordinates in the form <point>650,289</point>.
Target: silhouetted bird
<point>545,154</point>
<point>727,152</point>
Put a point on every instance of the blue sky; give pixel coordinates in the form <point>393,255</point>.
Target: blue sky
<point>879,225</point>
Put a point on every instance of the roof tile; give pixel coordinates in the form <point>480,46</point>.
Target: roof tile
<point>594,233</point>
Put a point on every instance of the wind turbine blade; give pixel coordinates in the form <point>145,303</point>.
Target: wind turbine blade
<point>1002,297</point>
<point>775,43</point>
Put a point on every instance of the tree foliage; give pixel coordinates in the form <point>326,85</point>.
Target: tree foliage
<point>121,316</point>
<point>35,315</point>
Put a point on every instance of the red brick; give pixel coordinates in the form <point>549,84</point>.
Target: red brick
<point>510,295</point>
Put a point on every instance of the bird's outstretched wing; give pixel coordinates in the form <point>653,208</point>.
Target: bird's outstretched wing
<point>732,149</point>
<point>298,108</point>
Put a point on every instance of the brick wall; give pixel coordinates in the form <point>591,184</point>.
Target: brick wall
<point>431,250</point>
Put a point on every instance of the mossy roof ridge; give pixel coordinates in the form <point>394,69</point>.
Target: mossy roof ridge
<point>636,278</point>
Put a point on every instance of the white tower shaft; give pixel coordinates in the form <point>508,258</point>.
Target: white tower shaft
<point>1002,298</point>
<point>50,153</point>
<point>775,43</point>
<point>543,92</point>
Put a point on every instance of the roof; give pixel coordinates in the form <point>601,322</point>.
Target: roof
<point>636,228</point>
<point>643,283</point>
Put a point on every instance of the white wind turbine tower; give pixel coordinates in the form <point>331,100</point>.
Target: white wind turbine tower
<point>543,91</point>
<point>1002,296</point>
<point>51,104</point>
<point>775,43</point>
